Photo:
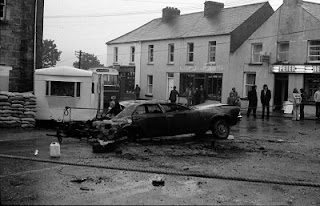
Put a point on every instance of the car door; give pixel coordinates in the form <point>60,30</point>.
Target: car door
<point>157,124</point>
<point>177,119</point>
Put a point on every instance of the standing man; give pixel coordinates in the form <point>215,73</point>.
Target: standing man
<point>173,95</point>
<point>317,100</point>
<point>203,94</point>
<point>137,92</point>
<point>303,102</point>
<point>253,101</point>
<point>189,95</point>
<point>265,100</point>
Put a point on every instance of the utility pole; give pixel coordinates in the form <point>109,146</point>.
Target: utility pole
<point>79,53</point>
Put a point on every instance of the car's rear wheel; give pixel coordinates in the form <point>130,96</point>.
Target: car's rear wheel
<point>220,129</point>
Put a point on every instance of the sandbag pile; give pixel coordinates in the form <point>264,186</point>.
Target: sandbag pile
<point>17,109</point>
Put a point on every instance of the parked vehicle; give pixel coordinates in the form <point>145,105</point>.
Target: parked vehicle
<point>142,118</point>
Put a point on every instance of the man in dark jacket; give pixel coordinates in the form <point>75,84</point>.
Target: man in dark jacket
<point>265,100</point>
<point>253,101</point>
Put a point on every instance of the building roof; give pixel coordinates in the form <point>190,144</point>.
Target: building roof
<point>312,8</point>
<point>64,71</point>
<point>191,25</point>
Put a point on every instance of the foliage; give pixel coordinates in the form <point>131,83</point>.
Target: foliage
<point>87,61</point>
<point>50,53</point>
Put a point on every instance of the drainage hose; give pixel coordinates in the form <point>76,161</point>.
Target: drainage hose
<point>167,172</point>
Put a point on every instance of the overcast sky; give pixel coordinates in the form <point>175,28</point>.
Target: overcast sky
<point>87,25</point>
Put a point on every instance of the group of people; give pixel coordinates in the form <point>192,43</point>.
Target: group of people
<point>265,97</point>
<point>298,99</point>
<point>194,96</point>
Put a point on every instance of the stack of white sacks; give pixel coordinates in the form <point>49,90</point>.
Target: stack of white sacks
<point>17,109</point>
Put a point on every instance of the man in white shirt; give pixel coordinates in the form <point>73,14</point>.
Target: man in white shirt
<point>317,100</point>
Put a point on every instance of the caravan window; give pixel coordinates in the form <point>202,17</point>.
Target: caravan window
<point>59,88</point>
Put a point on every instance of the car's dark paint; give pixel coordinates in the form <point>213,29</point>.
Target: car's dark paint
<point>155,118</point>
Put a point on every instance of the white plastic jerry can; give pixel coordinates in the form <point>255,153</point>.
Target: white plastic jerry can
<point>54,149</point>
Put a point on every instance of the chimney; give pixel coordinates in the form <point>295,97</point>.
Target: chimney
<point>169,13</point>
<point>292,3</point>
<point>212,8</point>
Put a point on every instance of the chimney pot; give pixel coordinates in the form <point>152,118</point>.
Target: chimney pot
<point>170,13</point>
<point>211,8</point>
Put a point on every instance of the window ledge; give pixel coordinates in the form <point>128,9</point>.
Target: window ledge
<point>170,63</point>
<point>190,64</point>
<point>150,64</point>
<point>148,95</point>
<point>255,64</point>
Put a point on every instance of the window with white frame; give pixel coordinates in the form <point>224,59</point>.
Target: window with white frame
<point>256,49</point>
<point>149,84</point>
<point>249,81</point>
<point>283,51</point>
<point>212,51</point>
<point>314,51</point>
<point>115,54</point>
<point>190,52</point>
<point>150,54</point>
<point>2,9</point>
<point>170,53</point>
<point>63,89</point>
<point>132,53</point>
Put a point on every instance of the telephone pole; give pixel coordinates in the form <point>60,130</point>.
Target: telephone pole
<point>79,54</point>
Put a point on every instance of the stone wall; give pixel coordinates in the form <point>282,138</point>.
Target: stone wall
<point>17,42</point>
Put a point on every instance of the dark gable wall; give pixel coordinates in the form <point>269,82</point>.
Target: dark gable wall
<point>17,37</point>
<point>244,31</point>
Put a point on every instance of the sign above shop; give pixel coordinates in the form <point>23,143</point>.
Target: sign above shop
<point>211,69</point>
<point>301,69</point>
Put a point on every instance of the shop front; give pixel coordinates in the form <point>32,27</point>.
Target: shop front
<point>126,81</point>
<point>288,77</point>
<point>210,77</point>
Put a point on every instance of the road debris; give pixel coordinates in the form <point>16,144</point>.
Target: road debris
<point>79,180</point>
<point>159,181</point>
<point>84,188</point>
<point>36,152</point>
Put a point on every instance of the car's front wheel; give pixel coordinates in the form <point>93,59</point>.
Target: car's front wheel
<point>220,129</point>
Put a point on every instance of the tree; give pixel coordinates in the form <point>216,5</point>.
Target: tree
<point>87,61</point>
<point>50,53</point>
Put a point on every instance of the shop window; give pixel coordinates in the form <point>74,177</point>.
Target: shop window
<point>170,53</point>
<point>190,52</point>
<point>66,89</point>
<point>214,86</point>
<point>149,84</point>
<point>115,53</point>
<point>132,53</point>
<point>283,52</point>
<point>311,85</point>
<point>2,9</point>
<point>212,51</point>
<point>256,49</point>
<point>150,54</point>
<point>249,81</point>
<point>129,82</point>
<point>212,83</point>
<point>186,79</point>
<point>314,51</point>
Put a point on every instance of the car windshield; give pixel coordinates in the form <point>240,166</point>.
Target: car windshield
<point>126,112</point>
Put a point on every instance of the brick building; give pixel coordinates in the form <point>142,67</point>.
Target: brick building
<point>21,22</point>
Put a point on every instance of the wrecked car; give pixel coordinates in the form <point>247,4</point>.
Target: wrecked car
<point>147,119</point>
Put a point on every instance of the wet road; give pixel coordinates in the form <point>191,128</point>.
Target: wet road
<point>279,149</point>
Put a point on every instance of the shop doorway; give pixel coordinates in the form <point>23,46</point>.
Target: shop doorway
<point>280,90</point>
<point>170,83</point>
